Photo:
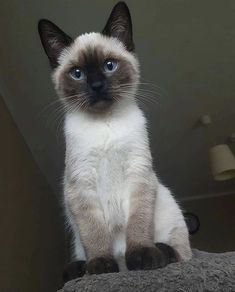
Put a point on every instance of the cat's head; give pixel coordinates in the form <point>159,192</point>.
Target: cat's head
<point>94,71</point>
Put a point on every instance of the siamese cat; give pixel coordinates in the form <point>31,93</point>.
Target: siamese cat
<point>120,213</point>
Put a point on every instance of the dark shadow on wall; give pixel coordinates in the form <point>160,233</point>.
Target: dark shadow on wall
<point>32,249</point>
<point>217,221</point>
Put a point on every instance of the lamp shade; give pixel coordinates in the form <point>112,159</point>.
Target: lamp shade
<point>222,162</point>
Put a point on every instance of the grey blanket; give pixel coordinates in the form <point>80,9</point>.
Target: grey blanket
<point>204,272</point>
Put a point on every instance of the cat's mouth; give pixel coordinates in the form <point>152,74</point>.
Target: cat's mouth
<point>100,102</point>
<point>104,99</point>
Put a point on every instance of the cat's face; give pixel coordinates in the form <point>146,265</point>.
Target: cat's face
<point>96,70</point>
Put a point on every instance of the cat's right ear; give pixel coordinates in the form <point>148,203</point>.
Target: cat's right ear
<point>119,25</point>
<point>53,39</point>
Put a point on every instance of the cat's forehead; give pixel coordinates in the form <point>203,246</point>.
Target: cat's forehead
<point>96,46</point>
<point>96,40</point>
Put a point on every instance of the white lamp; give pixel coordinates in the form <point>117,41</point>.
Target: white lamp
<point>222,162</point>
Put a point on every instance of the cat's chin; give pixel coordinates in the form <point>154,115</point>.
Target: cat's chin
<point>101,106</point>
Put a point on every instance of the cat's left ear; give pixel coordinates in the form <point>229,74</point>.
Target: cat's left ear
<point>119,25</point>
<point>53,39</point>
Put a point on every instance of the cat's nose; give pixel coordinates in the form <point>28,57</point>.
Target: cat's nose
<point>98,86</point>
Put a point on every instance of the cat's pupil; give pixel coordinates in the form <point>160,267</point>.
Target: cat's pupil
<point>110,65</point>
<point>77,73</point>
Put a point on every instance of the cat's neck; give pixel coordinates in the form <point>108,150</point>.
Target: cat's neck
<point>128,118</point>
<point>119,110</point>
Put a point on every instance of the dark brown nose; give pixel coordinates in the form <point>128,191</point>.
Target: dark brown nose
<point>98,86</point>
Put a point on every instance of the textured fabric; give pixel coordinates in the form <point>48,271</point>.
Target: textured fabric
<point>204,272</point>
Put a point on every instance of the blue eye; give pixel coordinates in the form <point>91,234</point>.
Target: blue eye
<point>76,73</point>
<point>110,65</point>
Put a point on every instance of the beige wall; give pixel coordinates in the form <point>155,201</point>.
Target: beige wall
<point>32,235</point>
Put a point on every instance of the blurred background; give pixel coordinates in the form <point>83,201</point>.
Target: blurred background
<point>187,49</point>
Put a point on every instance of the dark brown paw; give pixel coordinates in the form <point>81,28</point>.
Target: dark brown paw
<point>102,265</point>
<point>169,254</point>
<point>144,258</point>
<point>74,270</point>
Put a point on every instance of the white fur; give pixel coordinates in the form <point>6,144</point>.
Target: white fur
<point>103,146</point>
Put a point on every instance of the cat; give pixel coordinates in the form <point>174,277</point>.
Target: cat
<point>121,215</point>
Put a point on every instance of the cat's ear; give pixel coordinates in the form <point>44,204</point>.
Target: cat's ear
<point>119,25</point>
<point>53,39</point>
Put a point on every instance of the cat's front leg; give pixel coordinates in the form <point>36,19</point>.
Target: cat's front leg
<point>141,253</point>
<point>93,230</point>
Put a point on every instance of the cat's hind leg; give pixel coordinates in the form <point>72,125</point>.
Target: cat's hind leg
<point>179,240</point>
<point>171,232</point>
<point>175,249</point>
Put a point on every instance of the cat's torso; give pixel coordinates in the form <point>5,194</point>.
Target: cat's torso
<point>106,159</point>
<point>99,158</point>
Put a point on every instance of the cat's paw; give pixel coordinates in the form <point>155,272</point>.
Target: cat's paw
<point>169,254</point>
<point>102,265</point>
<point>144,258</point>
<point>74,270</point>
